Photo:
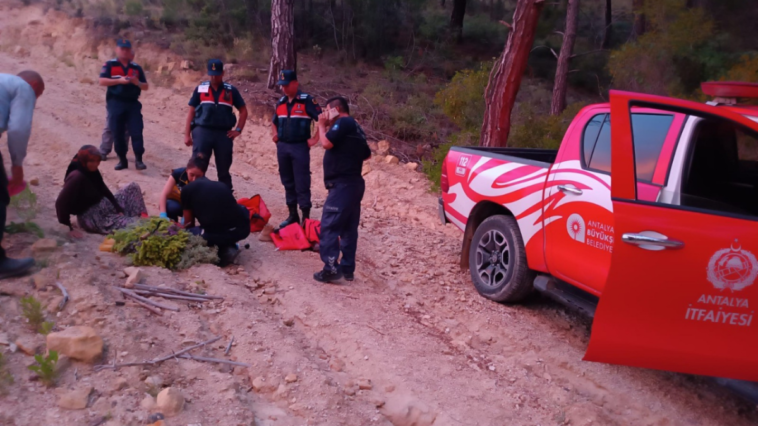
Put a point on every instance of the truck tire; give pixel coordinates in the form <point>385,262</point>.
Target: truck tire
<point>497,261</point>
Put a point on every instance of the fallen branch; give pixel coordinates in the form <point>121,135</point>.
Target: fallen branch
<point>65,296</point>
<point>148,307</point>
<point>135,296</point>
<point>156,361</point>
<point>185,350</point>
<point>229,346</point>
<point>216,360</point>
<point>171,290</point>
<point>170,296</point>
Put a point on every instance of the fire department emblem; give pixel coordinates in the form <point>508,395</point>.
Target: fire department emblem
<point>733,268</point>
<point>576,227</point>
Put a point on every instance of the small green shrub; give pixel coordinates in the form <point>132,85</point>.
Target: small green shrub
<point>45,368</point>
<point>159,242</point>
<point>25,204</point>
<point>462,100</point>
<point>197,252</point>
<point>5,376</point>
<point>31,309</point>
<point>46,328</point>
<point>133,7</point>
<point>541,131</point>
<point>29,227</point>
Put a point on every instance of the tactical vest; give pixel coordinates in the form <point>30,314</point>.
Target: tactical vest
<point>215,113</point>
<point>294,125</point>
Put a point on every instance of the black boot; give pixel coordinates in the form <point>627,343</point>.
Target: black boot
<point>293,217</point>
<point>306,214</point>
<point>15,267</point>
<point>122,164</point>
<point>138,164</point>
<point>327,276</point>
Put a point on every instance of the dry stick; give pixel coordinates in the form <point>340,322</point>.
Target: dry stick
<point>145,300</point>
<point>171,290</point>
<point>148,307</point>
<point>185,350</point>
<point>156,361</point>
<point>229,346</point>
<point>220,361</point>
<point>169,296</point>
<point>65,296</point>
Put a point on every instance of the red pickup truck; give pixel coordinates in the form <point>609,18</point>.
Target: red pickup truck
<point>646,218</point>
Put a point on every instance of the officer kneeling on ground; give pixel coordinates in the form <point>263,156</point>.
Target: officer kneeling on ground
<point>210,126</point>
<point>346,150</point>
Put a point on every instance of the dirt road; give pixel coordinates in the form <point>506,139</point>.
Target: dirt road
<point>409,338</point>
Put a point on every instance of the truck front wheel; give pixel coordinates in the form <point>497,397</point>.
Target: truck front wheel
<point>497,261</point>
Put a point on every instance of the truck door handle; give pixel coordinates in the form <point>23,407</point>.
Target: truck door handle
<point>570,189</point>
<point>650,242</point>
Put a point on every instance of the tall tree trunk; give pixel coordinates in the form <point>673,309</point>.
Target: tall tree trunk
<point>567,49</point>
<point>639,17</point>
<point>456,19</point>
<point>608,30</point>
<point>507,73</point>
<point>282,39</point>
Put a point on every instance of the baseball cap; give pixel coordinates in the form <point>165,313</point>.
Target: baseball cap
<point>122,42</point>
<point>286,77</point>
<point>215,67</point>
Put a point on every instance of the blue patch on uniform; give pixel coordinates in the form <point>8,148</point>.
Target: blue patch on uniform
<point>336,127</point>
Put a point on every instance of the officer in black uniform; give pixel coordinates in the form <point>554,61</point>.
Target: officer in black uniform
<point>346,150</point>
<point>292,134</point>
<point>125,81</point>
<point>211,125</point>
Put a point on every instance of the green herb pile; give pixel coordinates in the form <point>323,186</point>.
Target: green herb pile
<point>159,242</point>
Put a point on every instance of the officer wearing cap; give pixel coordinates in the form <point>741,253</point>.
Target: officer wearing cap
<point>211,125</point>
<point>291,131</point>
<point>125,81</point>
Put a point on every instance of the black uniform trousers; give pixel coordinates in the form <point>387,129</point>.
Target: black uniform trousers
<point>126,115</point>
<point>339,224</point>
<point>223,237</point>
<point>208,140</point>
<point>295,171</point>
<point>5,199</point>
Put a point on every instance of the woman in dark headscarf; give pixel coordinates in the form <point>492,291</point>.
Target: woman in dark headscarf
<point>86,195</point>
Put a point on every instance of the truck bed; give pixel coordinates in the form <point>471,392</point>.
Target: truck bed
<point>538,157</point>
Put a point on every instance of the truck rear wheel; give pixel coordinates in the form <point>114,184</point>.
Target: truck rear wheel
<point>497,261</point>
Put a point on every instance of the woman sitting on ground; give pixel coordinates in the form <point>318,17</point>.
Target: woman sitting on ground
<point>86,196</point>
<point>223,222</point>
<point>171,197</point>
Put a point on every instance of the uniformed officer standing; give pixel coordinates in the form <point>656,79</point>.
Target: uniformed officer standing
<point>346,150</point>
<point>211,122</point>
<point>292,134</point>
<point>125,81</point>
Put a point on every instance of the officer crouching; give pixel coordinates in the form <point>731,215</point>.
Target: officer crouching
<point>346,150</point>
<point>210,126</point>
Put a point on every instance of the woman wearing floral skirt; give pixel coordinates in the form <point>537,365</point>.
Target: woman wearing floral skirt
<point>86,196</point>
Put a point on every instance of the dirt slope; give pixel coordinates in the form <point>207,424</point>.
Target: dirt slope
<point>411,323</point>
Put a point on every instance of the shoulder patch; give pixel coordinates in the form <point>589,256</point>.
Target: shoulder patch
<point>228,86</point>
<point>282,99</point>
<point>304,96</point>
<point>336,127</point>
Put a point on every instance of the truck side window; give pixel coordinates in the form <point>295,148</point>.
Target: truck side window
<point>649,132</point>
<point>591,131</point>
<point>721,171</point>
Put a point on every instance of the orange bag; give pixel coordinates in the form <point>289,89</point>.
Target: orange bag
<point>313,230</point>
<point>291,237</point>
<point>259,214</point>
